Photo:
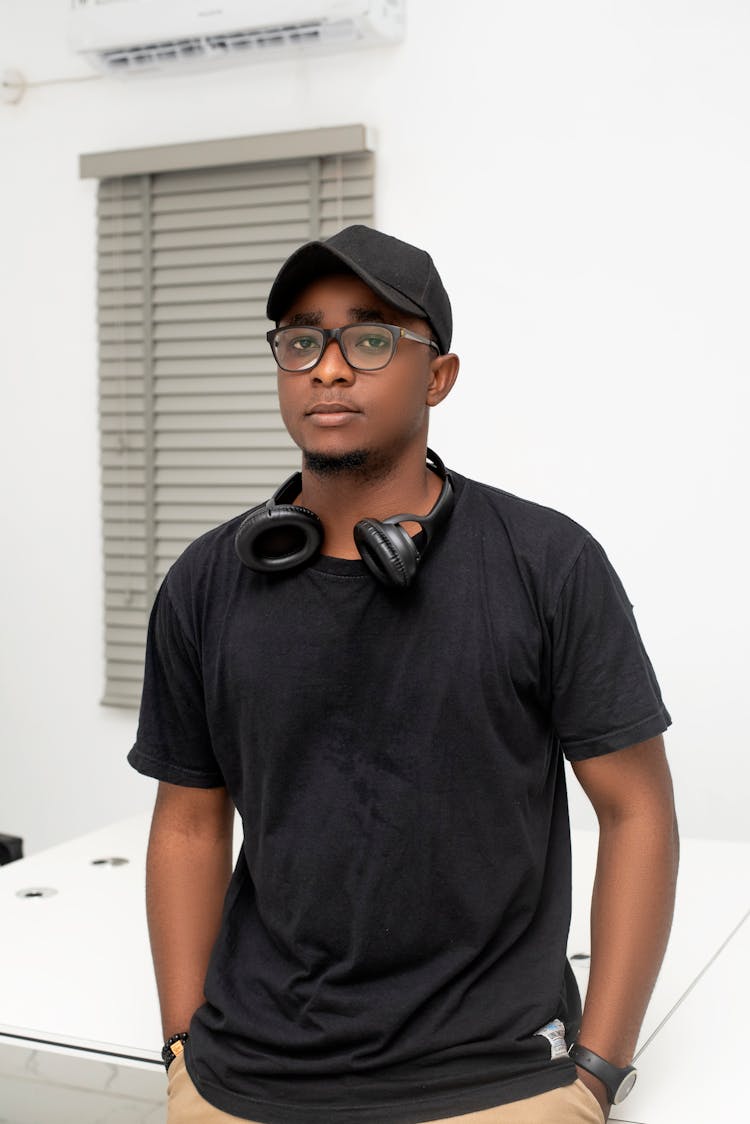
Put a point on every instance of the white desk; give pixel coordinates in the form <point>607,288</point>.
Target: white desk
<point>79,1027</point>
<point>80,1035</point>
<point>713,898</point>
<point>702,1048</point>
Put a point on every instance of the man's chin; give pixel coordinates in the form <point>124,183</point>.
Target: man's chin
<point>333,464</point>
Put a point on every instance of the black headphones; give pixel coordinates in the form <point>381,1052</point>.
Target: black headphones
<point>279,535</point>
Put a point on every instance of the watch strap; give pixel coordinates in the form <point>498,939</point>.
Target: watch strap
<point>611,1076</point>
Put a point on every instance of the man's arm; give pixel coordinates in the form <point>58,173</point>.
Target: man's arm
<point>188,867</point>
<point>633,896</point>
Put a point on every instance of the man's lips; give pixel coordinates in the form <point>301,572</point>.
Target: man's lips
<point>331,408</point>
<point>331,414</point>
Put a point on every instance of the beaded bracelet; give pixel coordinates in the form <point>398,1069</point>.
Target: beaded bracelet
<point>167,1054</point>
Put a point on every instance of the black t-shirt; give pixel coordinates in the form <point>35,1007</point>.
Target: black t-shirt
<point>394,934</point>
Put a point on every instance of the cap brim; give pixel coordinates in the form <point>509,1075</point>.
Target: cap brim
<point>316,259</point>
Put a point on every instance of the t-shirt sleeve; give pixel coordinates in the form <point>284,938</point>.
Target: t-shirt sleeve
<point>605,695</point>
<point>173,742</point>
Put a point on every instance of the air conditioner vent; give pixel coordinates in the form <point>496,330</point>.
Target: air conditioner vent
<point>215,47</point>
<point>127,37</point>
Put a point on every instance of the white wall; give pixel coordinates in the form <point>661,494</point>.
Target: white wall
<point>581,173</point>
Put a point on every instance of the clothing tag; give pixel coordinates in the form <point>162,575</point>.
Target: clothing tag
<point>554,1032</point>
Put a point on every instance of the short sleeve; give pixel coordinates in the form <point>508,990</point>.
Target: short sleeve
<point>173,742</point>
<point>605,695</point>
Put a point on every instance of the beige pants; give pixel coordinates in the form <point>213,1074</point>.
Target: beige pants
<point>573,1104</point>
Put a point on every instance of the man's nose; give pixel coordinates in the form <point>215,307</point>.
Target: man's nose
<point>332,366</point>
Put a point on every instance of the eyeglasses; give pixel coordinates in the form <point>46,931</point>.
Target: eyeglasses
<point>365,347</point>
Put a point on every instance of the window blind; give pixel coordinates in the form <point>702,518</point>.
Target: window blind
<point>190,431</point>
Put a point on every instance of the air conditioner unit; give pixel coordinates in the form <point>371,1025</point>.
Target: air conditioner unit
<point>137,36</point>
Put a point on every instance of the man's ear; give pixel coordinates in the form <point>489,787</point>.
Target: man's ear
<point>443,374</point>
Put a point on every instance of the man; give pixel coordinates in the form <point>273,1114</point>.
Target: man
<point>387,704</point>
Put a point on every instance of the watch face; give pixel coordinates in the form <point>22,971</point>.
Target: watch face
<point>626,1086</point>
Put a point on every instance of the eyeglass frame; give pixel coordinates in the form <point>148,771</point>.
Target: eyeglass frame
<point>396,331</point>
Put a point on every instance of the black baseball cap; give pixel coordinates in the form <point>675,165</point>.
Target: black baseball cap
<point>400,273</point>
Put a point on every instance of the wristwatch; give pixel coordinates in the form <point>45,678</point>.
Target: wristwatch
<point>172,1047</point>
<point>618,1082</point>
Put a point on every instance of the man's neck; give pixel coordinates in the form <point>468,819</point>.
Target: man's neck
<point>342,498</point>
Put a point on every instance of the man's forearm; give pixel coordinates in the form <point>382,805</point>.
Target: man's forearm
<point>631,915</point>
<point>186,882</point>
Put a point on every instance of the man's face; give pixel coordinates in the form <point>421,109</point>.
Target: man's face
<point>335,411</point>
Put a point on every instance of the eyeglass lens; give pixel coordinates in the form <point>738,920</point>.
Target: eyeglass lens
<point>364,346</point>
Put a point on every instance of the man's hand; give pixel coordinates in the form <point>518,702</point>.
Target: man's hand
<point>597,1088</point>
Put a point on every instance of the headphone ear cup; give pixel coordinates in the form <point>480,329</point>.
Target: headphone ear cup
<point>388,551</point>
<point>278,537</point>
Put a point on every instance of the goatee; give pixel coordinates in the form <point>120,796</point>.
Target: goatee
<point>333,464</point>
